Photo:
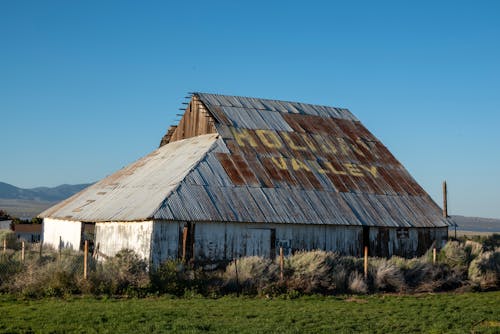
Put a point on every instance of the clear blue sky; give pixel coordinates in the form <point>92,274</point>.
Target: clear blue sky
<point>86,87</point>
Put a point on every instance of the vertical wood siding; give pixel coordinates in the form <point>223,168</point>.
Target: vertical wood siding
<point>62,233</point>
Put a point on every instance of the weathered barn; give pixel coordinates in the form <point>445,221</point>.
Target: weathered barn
<point>243,176</point>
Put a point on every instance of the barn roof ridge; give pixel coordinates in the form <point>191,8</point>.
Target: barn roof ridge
<point>264,99</point>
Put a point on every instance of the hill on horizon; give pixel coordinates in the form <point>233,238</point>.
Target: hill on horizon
<point>40,194</point>
<point>28,203</point>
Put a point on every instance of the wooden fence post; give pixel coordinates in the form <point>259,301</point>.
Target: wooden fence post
<point>282,263</point>
<point>22,251</point>
<point>4,245</point>
<point>237,278</point>
<point>85,255</point>
<point>434,255</point>
<point>60,247</point>
<point>366,262</point>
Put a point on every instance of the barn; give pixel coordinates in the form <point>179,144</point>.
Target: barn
<point>243,176</point>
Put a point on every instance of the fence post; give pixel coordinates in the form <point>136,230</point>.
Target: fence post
<point>85,254</point>
<point>282,263</point>
<point>434,255</point>
<point>366,262</point>
<point>60,247</point>
<point>40,250</point>
<point>237,278</point>
<point>22,251</point>
<point>4,245</point>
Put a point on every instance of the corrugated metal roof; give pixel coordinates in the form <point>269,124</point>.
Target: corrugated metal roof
<point>255,104</point>
<point>136,191</point>
<point>273,162</point>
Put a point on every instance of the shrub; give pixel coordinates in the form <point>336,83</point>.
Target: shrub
<point>321,272</point>
<point>309,272</point>
<point>455,253</point>
<point>387,276</point>
<point>10,237</point>
<point>124,273</point>
<point>10,265</point>
<point>173,277</point>
<point>250,274</point>
<point>485,270</point>
<point>54,278</point>
<point>357,283</point>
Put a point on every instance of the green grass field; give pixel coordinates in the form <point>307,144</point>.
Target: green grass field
<point>439,313</point>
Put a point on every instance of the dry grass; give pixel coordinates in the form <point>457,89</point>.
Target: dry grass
<point>485,270</point>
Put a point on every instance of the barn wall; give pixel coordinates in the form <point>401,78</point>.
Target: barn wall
<point>165,241</point>
<point>112,237</point>
<point>224,241</point>
<point>62,233</point>
<point>405,242</point>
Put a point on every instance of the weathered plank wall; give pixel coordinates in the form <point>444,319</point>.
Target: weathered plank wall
<point>195,121</point>
<point>111,237</point>
<point>62,233</point>
<point>166,243</point>
<point>406,242</point>
<point>225,241</point>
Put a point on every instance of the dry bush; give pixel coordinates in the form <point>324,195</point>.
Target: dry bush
<point>11,240</point>
<point>124,273</point>
<point>357,283</point>
<point>387,276</point>
<point>250,274</point>
<point>456,254</point>
<point>485,270</point>
<point>320,272</point>
<point>442,277</point>
<point>10,265</point>
<point>310,272</point>
<point>49,278</point>
<point>417,271</point>
<point>474,248</point>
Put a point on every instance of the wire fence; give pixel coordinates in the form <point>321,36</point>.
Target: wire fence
<point>16,255</point>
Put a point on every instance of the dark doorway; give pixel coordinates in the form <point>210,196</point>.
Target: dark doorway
<point>88,234</point>
<point>186,242</point>
<point>366,238</point>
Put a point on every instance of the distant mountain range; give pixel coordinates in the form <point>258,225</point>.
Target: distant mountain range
<point>40,194</point>
<point>28,203</point>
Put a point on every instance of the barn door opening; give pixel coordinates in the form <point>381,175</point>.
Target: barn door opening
<point>366,238</point>
<point>88,234</point>
<point>187,242</point>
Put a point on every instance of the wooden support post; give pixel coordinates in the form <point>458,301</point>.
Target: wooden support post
<point>434,255</point>
<point>366,262</point>
<point>445,200</point>
<point>85,255</point>
<point>22,251</point>
<point>184,243</point>
<point>282,263</point>
<point>4,245</point>
<point>237,278</point>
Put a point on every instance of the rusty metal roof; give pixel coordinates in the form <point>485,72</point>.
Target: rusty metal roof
<point>274,162</point>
